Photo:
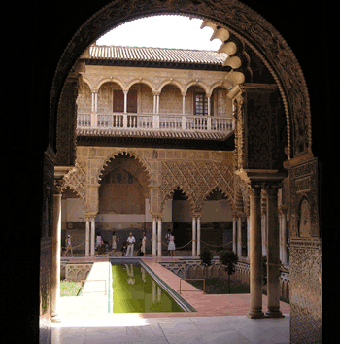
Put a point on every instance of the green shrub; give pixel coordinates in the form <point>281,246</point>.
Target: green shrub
<point>206,257</point>
<point>229,260</point>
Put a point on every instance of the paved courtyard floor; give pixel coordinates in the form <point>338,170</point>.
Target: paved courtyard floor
<point>219,319</point>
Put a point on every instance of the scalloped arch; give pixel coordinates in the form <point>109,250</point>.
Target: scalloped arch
<point>169,194</point>
<point>80,193</point>
<point>132,153</point>
<point>225,192</point>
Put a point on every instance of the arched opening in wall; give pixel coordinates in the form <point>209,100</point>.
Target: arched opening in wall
<point>181,219</point>
<point>122,199</point>
<point>72,220</point>
<point>216,221</point>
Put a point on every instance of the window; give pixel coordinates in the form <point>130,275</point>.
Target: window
<point>201,104</point>
<point>119,177</point>
<point>118,101</point>
<point>130,178</point>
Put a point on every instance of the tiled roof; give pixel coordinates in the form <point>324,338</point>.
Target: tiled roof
<point>156,54</point>
<point>149,133</point>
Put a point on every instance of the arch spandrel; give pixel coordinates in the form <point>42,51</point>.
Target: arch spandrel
<point>240,20</point>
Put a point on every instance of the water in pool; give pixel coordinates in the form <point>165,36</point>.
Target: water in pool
<point>134,291</point>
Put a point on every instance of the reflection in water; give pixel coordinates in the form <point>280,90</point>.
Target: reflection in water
<point>134,291</point>
<point>129,272</point>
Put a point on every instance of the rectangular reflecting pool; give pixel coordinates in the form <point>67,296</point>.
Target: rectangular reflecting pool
<point>135,291</point>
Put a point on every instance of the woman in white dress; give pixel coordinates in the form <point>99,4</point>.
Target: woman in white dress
<point>171,246</point>
<point>143,248</point>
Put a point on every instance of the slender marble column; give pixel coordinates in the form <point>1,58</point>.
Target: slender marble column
<point>154,104</point>
<point>239,236</point>
<point>87,237</point>
<point>96,102</point>
<point>284,238</point>
<point>159,239</point>
<point>55,266</point>
<point>183,105</point>
<point>198,235</point>
<point>209,110</point>
<point>125,101</point>
<point>154,238</point>
<point>193,244</point>
<point>248,236</point>
<point>92,101</point>
<point>92,241</point>
<point>273,254</point>
<point>255,255</point>
<point>157,104</point>
<point>234,236</point>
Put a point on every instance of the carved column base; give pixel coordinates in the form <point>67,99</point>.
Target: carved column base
<point>255,314</point>
<point>274,313</point>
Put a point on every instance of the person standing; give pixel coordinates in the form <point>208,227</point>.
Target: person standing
<point>114,243</point>
<point>167,237</point>
<point>68,243</point>
<point>99,244</point>
<point>130,241</point>
<point>143,248</point>
<point>171,246</point>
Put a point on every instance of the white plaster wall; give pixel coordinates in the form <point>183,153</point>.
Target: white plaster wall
<point>123,218</point>
<point>75,210</point>
<point>64,210</point>
<point>216,211</point>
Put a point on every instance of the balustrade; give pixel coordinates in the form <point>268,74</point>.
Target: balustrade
<point>155,121</point>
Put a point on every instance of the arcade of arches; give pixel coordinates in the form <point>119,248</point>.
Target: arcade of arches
<point>270,130</point>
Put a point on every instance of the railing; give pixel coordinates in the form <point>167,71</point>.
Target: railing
<point>191,279</point>
<point>159,122</point>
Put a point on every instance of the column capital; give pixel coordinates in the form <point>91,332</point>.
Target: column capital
<point>94,90</point>
<point>184,93</point>
<point>57,186</point>
<point>196,214</point>
<point>272,188</point>
<point>157,215</point>
<point>283,209</point>
<point>156,92</point>
<point>90,215</point>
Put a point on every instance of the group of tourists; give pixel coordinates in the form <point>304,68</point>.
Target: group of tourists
<point>127,245</point>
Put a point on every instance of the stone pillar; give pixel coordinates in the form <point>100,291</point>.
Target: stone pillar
<point>154,237</point>
<point>255,254</point>
<point>280,232</point>
<point>125,101</point>
<point>234,235</point>
<point>87,236</point>
<point>96,102</point>
<point>92,241</point>
<point>284,237</point>
<point>264,231</point>
<point>273,254</point>
<point>159,237</point>
<point>193,244</point>
<point>248,236</point>
<point>198,235</point>
<point>56,242</point>
<point>239,236</point>
<point>92,102</point>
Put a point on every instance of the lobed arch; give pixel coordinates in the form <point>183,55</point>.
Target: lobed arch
<point>78,191</point>
<point>141,81</point>
<point>225,193</point>
<point>172,82</point>
<point>132,153</point>
<point>101,82</point>
<point>169,194</point>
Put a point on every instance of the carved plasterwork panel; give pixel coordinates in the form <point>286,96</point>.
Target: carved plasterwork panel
<point>76,179</point>
<point>197,180</point>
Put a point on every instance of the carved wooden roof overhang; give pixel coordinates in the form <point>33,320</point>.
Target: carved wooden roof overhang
<point>157,142</point>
